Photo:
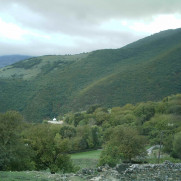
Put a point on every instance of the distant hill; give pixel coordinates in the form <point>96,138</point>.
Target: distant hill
<point>43,87</point>
<point>10,59</point>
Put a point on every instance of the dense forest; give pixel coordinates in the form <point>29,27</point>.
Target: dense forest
<point>123,133</point>
<point>47,86</point>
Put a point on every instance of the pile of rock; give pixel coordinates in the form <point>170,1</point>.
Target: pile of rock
<point>165,171</point>
<point>147,172</point>
<point>127,172</point>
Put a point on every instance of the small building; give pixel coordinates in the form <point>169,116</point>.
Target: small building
<point>54,121</point>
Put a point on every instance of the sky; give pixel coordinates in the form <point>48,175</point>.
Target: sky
<point>57,27</point>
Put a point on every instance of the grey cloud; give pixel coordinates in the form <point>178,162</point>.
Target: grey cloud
<point>76,16</point>
<point>40,47</point>
<point>79,19</point>
<point>35,48</point>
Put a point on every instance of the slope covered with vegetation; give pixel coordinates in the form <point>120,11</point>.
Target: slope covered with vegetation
<point>122,133</point>
<point>46,86</point>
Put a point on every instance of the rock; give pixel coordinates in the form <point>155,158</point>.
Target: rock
<point>96,178</point>
<point>128,172</point>
<point>99,169</point>
<point>122,167</point>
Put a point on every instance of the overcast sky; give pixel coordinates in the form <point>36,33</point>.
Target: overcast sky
<point>40,27</point>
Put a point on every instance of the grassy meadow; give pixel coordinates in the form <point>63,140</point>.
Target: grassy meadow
<point>34,176</point>
<point>87,159</point>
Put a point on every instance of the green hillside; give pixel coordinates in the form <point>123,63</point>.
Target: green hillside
<point>47,86</point>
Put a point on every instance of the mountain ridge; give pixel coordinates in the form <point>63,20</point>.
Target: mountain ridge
<point>6,60</point>
<point>46,86</point>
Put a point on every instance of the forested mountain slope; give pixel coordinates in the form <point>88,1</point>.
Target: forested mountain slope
<point>46,86</point>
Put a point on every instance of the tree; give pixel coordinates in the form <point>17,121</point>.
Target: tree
<point>110,155</point>
<point>128,142</point>
<point>67,132</point>
<point>14,154</point>
<point>122,115</point>
<point>51,150</point>
<point>96,136</point>
<point>165,123</point>
<point>92,108</point>
<point>177,145</point>
<point>101,116</point>
<point>145,111</point>
<point>77,118</point>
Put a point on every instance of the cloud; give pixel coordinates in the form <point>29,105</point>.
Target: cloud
<point>82,25</point>
<point>78,15</point>
<point>10,31</point>
<point>57,44</point>
<point>162,22</point>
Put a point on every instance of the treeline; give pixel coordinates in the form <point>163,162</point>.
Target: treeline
<point>122,132</point>
<point>25,146</point>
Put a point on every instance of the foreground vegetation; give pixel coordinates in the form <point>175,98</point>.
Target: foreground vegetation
<point>123,133</point>
<point>34,176</point>
<point>25,175</point>
<point>88,159</point>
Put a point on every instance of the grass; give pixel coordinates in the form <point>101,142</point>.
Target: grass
<point>26,175</point>
<point>153,158</point>
<point>95,154</point>
<point>34,176</point>
<point>87,159</point>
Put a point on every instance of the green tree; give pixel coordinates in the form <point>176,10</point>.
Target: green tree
<point>96,136</point>
<point>177,145</point>
<point>101,116</point>
<point>165,123</point>
<point>67,132</point>
<point>77,118</point>
<point>127,140</point>
<point>110,155</point>
<point>122,115</point>
<point>92,108</point>
<point>14,154</point>
<point>51,150</point>
<point>144,111</point>
<point>84,133</point>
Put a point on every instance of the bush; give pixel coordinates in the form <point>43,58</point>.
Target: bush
<point>124,143</point>
<point>177,145</point>
<point>110,155</point>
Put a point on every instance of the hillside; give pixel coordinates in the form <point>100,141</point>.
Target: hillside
<point>10,59</point>
<point>47,86</point>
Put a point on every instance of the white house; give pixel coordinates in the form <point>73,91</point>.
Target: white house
<point>54,121</point>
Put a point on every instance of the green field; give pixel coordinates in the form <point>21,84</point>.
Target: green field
<point>27,175</point>
<point>95,154</point>
<point>35,176</point>
<point>87,159</point>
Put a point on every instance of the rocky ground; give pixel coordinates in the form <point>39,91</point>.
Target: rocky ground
<point>129,172</point>
<point>122,172</point>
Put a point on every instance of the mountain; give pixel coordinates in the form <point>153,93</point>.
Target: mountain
<point>43,87</point>
<point>10,59</point>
